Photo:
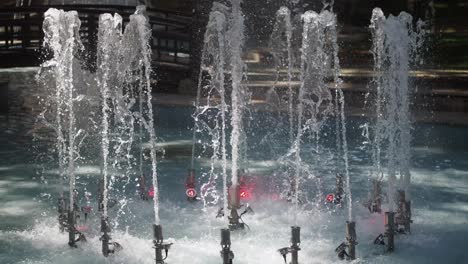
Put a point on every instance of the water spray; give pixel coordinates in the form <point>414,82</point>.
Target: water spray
<point>294,248</point>
<point>395,45</point>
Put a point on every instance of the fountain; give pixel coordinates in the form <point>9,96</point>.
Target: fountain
<point>279,101</point>
<point>280,43</point>
<point>210,113</point>
<point>61,37</point>
<point>110,29</point>
<point>125,119</point>
<point>124,79</point>
<point>319,58</point>
<point>394,46</point>
<point>239,98</point>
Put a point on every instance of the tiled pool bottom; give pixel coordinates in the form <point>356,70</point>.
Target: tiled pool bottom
<point>29,231</point>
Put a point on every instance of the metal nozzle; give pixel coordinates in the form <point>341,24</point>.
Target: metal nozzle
<point>225,237</point>
<point>295,235</point>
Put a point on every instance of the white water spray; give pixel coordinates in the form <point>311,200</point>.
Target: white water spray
<point>395,42</point>
<point>238,94</point>
<point>61,36</point>
<point>210,112</point>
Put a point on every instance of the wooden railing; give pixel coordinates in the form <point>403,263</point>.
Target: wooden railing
<point>21,30</point>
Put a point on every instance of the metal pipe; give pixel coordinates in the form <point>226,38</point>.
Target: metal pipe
<point>226,254</point>
<point>295,243</point>
<point>71,228</point>
<point>158,240</point>
<point>403,216</point>
<point>376,202</point>
<point>390,230</point>
<point>159,245</point>
<point>234,196</point>
<point>351,239</point>
<point>62,211</point>
<point>105,237</point>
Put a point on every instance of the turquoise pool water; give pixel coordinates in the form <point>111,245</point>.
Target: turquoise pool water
<point>28,191</point>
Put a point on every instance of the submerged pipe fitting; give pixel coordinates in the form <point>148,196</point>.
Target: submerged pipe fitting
<point>390,230</point>
<point>108,247</point>
<point>337,196</point>
<point>375,203</point>
<point>295,246</point>
<point>226,254</point>
<point>62,212</point>
<point>388,238</point>
<point>403,216</point>
<point>101,195</point>
<point>235,219</point>
<point>73,234</point>
<point>159,245</point>
<point>71,229</point>
<point>347,250</point>
<point>351,239</point>
<point>339,192</point>
<point>234,197</point>
<point>143,192</point>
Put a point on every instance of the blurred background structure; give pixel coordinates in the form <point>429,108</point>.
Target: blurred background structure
<point>178,27</point>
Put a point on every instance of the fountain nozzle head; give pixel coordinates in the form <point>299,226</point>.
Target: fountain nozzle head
<point>295,235</point>
<point>225,237</point>
<point>341,251</point>
<point>157,233</point>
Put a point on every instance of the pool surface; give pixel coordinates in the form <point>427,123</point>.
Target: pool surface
<point>29,230</point>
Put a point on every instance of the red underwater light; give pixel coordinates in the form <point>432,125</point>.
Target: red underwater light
<point>191,193</point>
<point>243,193</point>
<point>151,192</point>
<point>330,197</point>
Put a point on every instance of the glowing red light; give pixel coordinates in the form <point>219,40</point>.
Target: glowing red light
<point>191,193</point>
<point>151,192</point>
<point>330,197</point>
<point>245,194</point>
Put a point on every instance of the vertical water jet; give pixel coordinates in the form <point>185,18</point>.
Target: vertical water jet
<point>394,44</point>
<point>62,38</point>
